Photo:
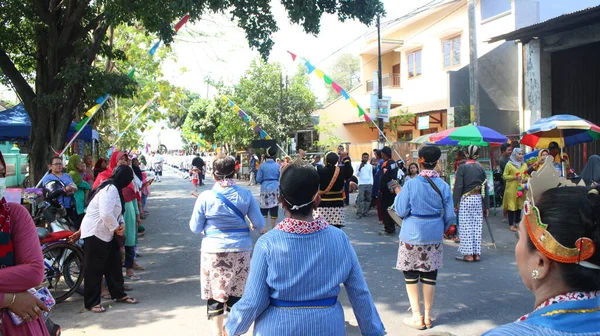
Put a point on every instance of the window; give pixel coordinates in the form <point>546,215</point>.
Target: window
<point>414,63</point>
<point>491,8</point>
<point>451,48</point>
<point>405,135</point>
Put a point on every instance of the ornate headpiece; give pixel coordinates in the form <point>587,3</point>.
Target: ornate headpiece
<point>547,177</point>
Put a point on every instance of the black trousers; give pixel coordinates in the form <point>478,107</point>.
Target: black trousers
<point>72,214</point>
<point>129,256</point>
<point>216,308</point>
<point>101,259</point>
<point>388,222</point>
<point>347,192</point>
<point>514,217</point>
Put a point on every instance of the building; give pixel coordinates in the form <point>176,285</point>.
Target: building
<point>425,67</point>
<point>560,72</point>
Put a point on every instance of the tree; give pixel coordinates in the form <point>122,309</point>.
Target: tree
<point>345,70</point>
<point>279,104</point>
<point>48,49</point>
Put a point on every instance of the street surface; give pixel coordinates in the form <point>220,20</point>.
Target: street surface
<point>470,299</point>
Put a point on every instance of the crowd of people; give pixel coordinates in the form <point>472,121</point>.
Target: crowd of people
<point>106,204</point>
<point>302,295</point>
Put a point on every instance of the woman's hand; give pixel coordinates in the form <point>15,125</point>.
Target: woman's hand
<point>120,231</point>
<point>74,237</point>
<point>27,306</point>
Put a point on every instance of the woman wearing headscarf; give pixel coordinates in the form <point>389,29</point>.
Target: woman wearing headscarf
<point>425,204</point>
<point>471,199</point>
<point>102,253</point>
<point>75,169</point>
<point>117,158</point>
<point>591,173</point>
<point>99,167</point>
<point>88,174</point>
<point>132,220</point>
<point>542,154</point>
<point>332,179</point>
<point>515,173</point>
<point>225,253</point>
<point>21,267</point>
<point>296,272</point>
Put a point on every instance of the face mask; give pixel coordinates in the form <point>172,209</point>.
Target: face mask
<point>2,187</point>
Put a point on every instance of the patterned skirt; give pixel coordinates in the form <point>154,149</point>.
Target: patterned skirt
<point>332,215</point>
<point>269,200</point>
<point>223,274</point>
<point>422,258</point>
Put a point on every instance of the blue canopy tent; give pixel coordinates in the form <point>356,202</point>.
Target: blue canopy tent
<point>15,125</point>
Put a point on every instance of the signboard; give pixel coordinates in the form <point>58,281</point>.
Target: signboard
<point>383,106</point>
<point>373,106</point>
<point>423,123</point>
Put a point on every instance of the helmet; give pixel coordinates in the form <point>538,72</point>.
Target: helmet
<point>53,190</point>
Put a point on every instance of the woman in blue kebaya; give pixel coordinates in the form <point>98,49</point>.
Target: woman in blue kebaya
<point>558,256</point>
<point>225,254</point>
<point>296,272</point>
<point>268,177</point>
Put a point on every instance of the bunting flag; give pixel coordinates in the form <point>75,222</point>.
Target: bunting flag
<point>261,133</point>
<point>335,86</point>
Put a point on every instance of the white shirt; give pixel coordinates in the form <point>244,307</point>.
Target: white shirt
<point>103,215</point>
<point>158,159</point>
<point>365,175</point>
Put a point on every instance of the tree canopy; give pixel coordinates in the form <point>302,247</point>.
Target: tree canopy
<point>345,70</point>
<point>48,49</point>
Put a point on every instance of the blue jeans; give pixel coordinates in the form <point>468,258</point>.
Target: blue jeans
<point>144,199</point>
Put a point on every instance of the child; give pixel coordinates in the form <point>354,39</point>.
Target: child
<point>195,174</point>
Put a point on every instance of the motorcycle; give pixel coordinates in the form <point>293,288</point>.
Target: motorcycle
<point>50,214</point>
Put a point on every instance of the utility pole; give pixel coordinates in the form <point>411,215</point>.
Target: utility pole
<point>473,81</point>
<point>379,81</point>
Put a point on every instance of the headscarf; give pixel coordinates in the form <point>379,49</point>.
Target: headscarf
<point>74,161</point>
<point>137,171</point>
<point>591,172</point>
<point>472,152</point>
<point>98,166</point>
<point>7,259</point>
<point>105,175</point>
<point>513,157</point>
<point>120,178</point>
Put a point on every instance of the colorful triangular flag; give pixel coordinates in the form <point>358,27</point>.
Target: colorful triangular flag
<point>293,55</point>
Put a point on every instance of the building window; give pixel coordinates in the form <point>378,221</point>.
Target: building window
<point>451,48</point>
<point>491,8</point>
<point>414,63</point>
<point>405,135</point>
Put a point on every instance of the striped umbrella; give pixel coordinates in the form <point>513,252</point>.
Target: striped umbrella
<point>468,135</point>
<point>564,129</point>
<point>422,140</point>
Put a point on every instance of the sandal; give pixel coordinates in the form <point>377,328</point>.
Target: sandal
<point>127,300</point>
<point>415,322</point>
<point>427,320</point>
<point>513,228</point>
<point>476,257</point>
<point>97,309</point>
<point>127,288</point>
<point>138,267</point>
<point>106,297</point>
<point>133,277</point>
<point>465,259</point>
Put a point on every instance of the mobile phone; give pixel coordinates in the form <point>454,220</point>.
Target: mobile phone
<point>44,295</point>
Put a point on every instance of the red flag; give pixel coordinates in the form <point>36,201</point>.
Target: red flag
<point>293,55</point>
<point>336,87</point>
<point>366,116</point>
<point>181,22</point>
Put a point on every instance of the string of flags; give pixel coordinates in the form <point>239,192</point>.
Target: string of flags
<point>337,88</point>
<point>137,116</point>
<point>242,114</point>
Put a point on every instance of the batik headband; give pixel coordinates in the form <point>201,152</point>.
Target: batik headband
<point>547,177</point>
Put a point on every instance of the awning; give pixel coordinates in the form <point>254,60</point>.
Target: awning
<point>15,125</point>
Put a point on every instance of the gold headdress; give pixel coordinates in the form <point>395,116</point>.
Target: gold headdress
<point>547,177</point>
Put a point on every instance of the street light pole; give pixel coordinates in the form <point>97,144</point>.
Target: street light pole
<point>379,81</point>
<point>473,80</point>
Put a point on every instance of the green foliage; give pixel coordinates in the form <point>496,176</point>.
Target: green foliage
<point>328,141</point>
<point>278,104</point>
<point>345,71</point>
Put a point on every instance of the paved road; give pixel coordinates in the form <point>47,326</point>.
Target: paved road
<point>470,298</point>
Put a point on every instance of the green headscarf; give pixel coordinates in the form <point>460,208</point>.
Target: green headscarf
<point>74,161</point>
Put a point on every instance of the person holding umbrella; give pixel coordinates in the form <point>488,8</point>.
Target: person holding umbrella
<point>514,175</point>
<point>471,201</point>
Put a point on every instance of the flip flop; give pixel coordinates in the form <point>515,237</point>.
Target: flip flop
<point>127,300</point>
<point>127,288</point>
<point>139,268</point>
<point>134,277</point>
<point>106,297</point>
<point>98,309</point>
<point>465,259</point>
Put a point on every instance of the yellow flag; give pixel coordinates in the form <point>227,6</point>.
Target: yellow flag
<point>236,108</point>
<point>353,102</point>
<point>93,110</point>
<point>319,73</point>
<point>252,123</point>
<point>268,138</point>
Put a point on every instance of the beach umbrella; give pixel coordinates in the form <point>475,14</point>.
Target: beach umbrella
<point>468,135</point>
<point>422,140</point>
<point>564,129</point>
